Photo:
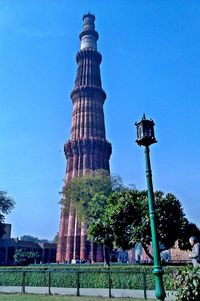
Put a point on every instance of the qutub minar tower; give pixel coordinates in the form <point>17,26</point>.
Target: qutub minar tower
<point>87,150</point>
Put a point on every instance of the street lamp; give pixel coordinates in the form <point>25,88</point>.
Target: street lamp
<point>146,137</point>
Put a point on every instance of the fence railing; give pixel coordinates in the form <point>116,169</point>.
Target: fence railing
<point>65,278</point>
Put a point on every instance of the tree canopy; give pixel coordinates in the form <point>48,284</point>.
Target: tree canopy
<point>126,215</point>
<point>6,205</point>
<point>32,238</point>
<point>55,239</point>
<point>118,216</point>
<point>88,193</point>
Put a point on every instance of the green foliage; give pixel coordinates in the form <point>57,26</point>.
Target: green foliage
<point>11,277</point>
<point>118,216</point>
<point>113,228</point>
<point>188,230</point>
<point>24,257</point>
<point>6,205</point>
<point>91,276</point>
<point>55,239</point>
<point>36,278</point>
<point>187,285</point>
<point>87,194</point>
<point>32,239</point>
<point>125,220</point>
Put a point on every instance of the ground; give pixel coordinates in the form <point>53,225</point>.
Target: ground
<point>28,297</point>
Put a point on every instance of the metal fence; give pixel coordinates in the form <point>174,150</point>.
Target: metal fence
<point>77,279</point>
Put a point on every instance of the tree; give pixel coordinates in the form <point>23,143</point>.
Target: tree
<point>88,194</point>
<point>188,230</point>
<point>32,239</point>
<point>55,239</point>
<point>118,216</point>
<point>6,205</point>
<point>22,257</point>
<point>126,218</point>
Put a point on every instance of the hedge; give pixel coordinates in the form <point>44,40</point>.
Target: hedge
<point>127,276</point>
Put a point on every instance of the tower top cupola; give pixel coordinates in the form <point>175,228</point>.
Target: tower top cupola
<point>88,35</point>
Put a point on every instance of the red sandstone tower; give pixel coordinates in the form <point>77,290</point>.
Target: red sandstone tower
<point>87,150</point>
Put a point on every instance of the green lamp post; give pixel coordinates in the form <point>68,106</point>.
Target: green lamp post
<point>146,137</point>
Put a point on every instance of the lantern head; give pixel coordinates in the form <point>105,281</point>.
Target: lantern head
<point>145,132</point>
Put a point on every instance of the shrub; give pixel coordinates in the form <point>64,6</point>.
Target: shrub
<point>187,284</point>
<point>10,278</point>
<point>24,257</point>
<point>94,276</point>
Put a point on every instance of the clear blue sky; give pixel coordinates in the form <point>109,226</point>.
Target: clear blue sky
<point>151,64</point>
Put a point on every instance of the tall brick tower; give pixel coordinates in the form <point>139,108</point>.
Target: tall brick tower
<point>87,150</point>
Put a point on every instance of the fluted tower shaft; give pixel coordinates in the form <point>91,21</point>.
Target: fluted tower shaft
<point>87,150</point>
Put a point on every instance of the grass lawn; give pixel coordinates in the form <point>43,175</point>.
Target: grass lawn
<point>28,297</point>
